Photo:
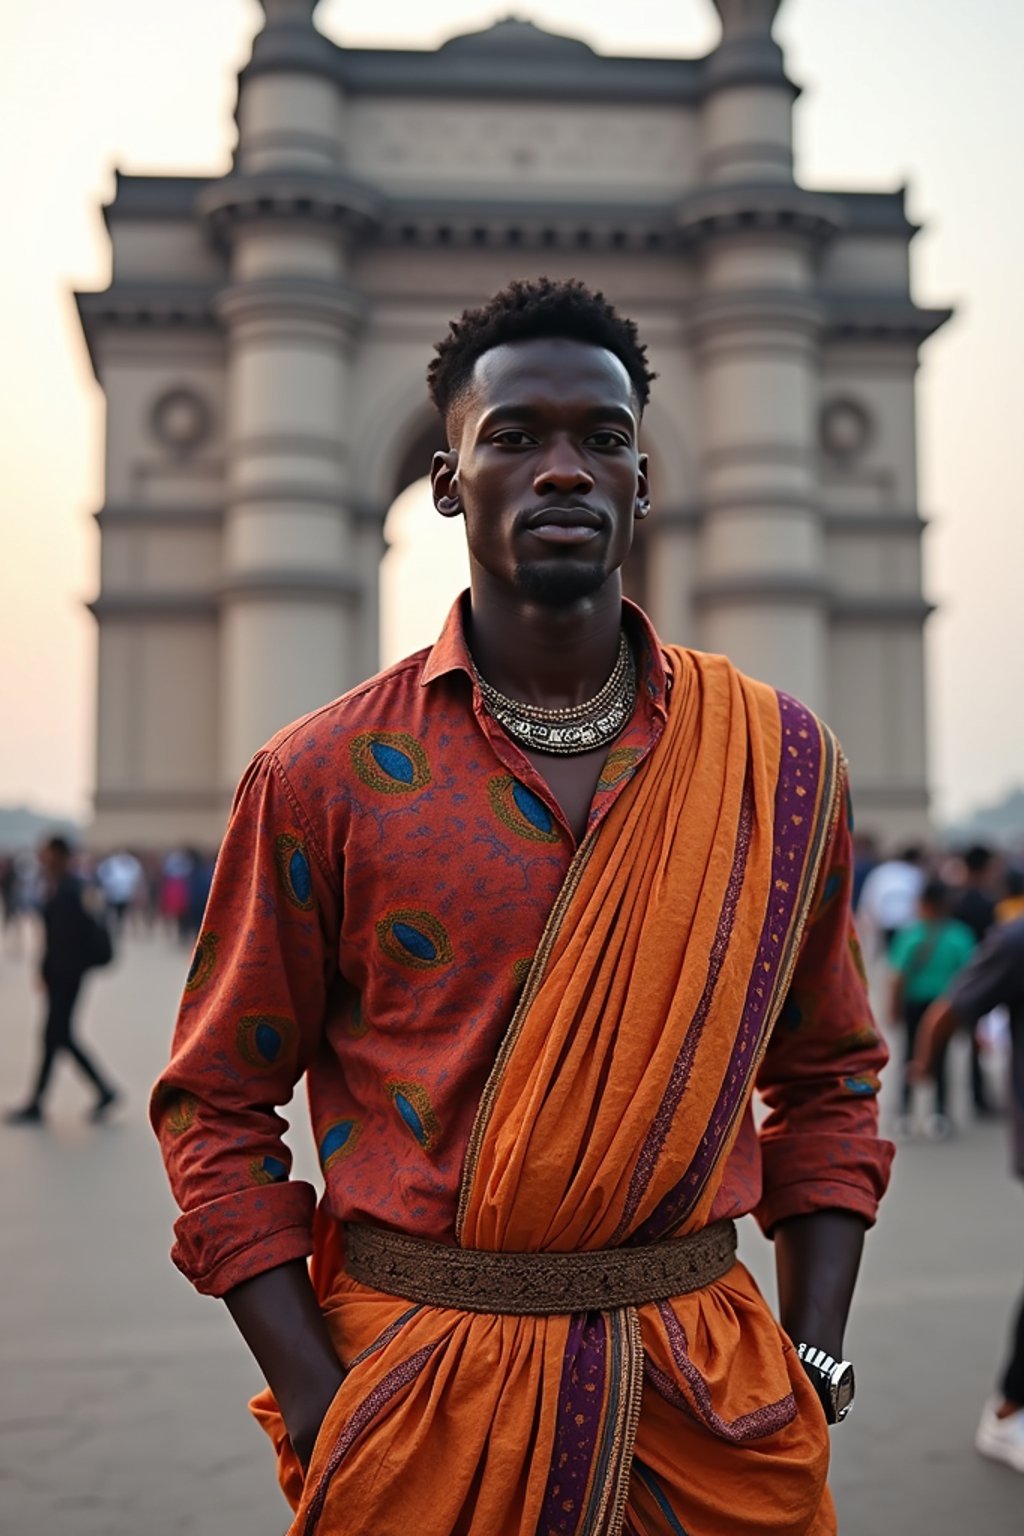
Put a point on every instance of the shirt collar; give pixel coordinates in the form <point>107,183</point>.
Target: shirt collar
<point>450,652</point>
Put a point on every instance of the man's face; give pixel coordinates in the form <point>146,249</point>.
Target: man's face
<point>545,468</point>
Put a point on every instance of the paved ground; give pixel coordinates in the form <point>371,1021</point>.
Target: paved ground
<point>121,1392</point>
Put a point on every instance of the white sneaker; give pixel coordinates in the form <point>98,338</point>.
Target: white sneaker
<point>1001,1439</point>
<point>939,1127</point>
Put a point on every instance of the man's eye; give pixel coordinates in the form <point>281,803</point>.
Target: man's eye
<point>511,438</point>
<point>608,440</point>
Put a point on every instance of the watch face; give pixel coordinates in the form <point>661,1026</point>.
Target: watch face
<point>842,1394</point>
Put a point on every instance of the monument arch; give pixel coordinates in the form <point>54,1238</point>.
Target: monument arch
<point>262,348</point>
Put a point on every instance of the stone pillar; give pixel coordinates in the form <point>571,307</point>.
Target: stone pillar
<point>755,327</point>
<point>293,597</point>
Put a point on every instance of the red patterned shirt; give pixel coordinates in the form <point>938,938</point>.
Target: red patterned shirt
<point>385,878</point>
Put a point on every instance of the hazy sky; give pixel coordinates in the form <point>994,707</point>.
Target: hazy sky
<point>922,91</point>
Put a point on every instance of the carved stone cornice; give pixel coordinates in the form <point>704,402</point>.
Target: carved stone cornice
<point>767,208</point>
<point>764,587</point>
<point>878,317</point>
<point>873,523</point>
<point>349,205</point>
<point>287,586</point>
<point>142,516</point>
<point>884,608</point>
<point>137,606</point>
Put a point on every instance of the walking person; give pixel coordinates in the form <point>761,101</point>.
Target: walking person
<point>8,900</point>
<point>888,898</point>
<point>73,944</point>
<point>925,958</point>
<point>120,879</point>
<point>975,905</point>
<point>993,979</point>
<point>527,909</point>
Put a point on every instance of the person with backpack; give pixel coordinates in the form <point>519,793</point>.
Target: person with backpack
<point>925,959</point>
<point>75,942</point>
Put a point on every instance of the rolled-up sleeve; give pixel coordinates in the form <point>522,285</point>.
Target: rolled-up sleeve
<point>820,1147</point>
<point>250,1020</point>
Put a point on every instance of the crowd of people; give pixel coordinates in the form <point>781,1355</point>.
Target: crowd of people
<point>952,933</point>
<point>85,905</point>
<point>926,915</point>
<point>146,889</point>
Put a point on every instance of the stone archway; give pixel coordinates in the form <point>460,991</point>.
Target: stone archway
<point>287,311</point>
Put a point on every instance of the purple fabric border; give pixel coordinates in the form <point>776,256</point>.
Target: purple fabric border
<point>797,816</point>
<point>395,1380</point>
<point>749,1426</point>
<point>581,1406</point>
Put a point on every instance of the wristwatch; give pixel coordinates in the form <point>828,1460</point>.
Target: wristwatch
<point>831,1379</point>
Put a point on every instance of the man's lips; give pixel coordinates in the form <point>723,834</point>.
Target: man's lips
<point>565,525</point>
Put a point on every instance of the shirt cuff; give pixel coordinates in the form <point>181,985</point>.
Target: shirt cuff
<point>851,1173</point>
<point>241,1235</point>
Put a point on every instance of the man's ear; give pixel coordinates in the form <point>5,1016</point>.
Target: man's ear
<point>444,483</point>
<point>642,504</point>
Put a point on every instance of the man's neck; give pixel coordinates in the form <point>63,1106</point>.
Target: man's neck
<point>555,657</point>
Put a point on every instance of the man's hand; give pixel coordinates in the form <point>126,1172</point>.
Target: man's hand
<point>934,1032</point>
<point>279,1317</point>
<point>305,1416</point>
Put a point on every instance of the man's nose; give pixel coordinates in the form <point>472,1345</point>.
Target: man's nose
<point>562,471</point>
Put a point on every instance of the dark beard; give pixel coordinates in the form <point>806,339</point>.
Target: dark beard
<point>559,585</point>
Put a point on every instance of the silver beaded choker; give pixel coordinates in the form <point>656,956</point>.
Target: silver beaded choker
<point>581,727</point>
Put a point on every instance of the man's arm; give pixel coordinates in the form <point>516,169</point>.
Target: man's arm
<point>251,1020</point>
<point>816,1262</point>
<point>280,1319</point>
<point>991,977</point>
<point>936,1030</point>
<point>824,1166</point>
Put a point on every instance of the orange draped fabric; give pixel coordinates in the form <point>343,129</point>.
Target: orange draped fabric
<point>607,1120</point>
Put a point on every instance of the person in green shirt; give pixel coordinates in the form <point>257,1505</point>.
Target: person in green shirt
<point>925,959</point>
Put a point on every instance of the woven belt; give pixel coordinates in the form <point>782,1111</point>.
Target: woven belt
<point>536,1284</point>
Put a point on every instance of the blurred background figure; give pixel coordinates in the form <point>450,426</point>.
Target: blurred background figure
<point>75,941</point>
<point>120,879</point>
<point>888,898</point>
<point>9,901</point>
<point>994,979</point>
<point>926,957</point>
<point>975,906</point>
<point>187,876</point>
<point>200,878</point>
<point>865,859</point>
<point>1011,905</point>
<point>174,891</point>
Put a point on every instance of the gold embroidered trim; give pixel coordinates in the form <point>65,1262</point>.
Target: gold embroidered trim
<point>536,1284</point>
<point>631,1399</point>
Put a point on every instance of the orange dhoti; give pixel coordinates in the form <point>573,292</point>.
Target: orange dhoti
<point>612,1107</point>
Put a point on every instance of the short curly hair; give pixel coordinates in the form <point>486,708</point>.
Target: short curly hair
<point>528,309</point>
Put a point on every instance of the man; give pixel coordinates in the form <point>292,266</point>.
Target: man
<point>889,896</point>
<point>925,958</point>
<point>993,979</point>
<point>976,907</point>
<point>120,877</point>
<point>72,945</point>
<point>527,908</point>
